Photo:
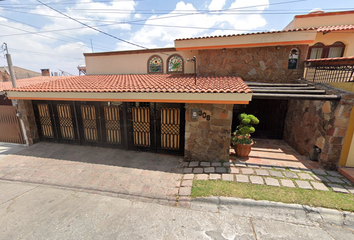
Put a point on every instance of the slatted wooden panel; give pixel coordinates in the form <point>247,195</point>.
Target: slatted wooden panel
<point>66,121</point>
<point>170,128</point>
<point>141,126</point>
<point>112,124</point>
<point>10,130</point>
<point>88,114</point>
<point>45,121</point>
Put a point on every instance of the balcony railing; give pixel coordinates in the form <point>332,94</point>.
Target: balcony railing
<point>329,70</point>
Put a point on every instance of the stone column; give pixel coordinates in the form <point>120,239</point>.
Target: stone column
<point>208,138</point>
<point>26,109</point>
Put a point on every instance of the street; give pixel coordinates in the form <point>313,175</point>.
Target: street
<point>34,211</point>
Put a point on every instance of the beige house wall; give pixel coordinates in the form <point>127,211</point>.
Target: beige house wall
<point>133,63</point>
<point>318,20</point>
<point>347,37</point>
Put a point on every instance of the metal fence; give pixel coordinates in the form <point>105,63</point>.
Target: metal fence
<point>10,128</point>
<point>330,73</point>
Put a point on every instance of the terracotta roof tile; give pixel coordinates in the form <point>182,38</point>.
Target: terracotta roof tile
<point>255,33</point>
<point>335,28</point>
<point>182,83</point>
<point>330,59</point>
<point>319,29</point>
<point>27,82</point>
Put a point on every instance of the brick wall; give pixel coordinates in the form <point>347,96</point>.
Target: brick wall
<point>208,140</point>
<point>26,109</point>
<point>321,123</point>
<point>258,64</point>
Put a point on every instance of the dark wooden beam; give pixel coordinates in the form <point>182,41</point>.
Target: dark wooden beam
<point>283,88</point>
<point>294,96</point>
<point>289,91</point>
<point>277,84</point>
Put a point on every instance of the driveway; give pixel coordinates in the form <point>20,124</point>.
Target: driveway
<point>129,174</point>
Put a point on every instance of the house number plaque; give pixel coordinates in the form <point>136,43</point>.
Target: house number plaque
<point>204,115</point>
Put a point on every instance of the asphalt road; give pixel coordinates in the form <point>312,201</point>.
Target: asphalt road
<point>33,211</point>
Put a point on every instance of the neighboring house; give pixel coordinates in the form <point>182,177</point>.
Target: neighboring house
<point>150,99</point>
<point>20,73</point>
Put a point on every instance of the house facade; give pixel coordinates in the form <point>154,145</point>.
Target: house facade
<point>186,98</point>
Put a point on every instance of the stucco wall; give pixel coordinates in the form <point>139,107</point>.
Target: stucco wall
<point>208,140</point>
<point>259,64</point>
<point>26,109</point>
<point>347,37</point>
<point>321,123</point>
<point>132,63</point>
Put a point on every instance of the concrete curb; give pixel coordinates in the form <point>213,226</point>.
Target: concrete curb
<point>292,213</point>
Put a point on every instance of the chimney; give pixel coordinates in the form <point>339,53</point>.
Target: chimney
<point>45,72</point>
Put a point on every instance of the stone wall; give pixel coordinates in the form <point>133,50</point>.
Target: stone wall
<point>321,123</point>
<point>26,109</point>
<point>208,140</point>
<point>258,64</point>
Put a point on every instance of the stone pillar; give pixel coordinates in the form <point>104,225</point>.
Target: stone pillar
<point>26,109</point>
<point>208,138</point>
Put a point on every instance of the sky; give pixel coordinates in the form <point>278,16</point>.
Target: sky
<point>54,34</point>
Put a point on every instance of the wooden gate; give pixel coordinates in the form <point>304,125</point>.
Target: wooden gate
<point>170,128</point>
<point>148,126</point>
<point>141,126</point>
<point>10,128</point>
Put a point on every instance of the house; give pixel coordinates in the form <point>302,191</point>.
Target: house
<point>20,73</point>
<point>184,99</point>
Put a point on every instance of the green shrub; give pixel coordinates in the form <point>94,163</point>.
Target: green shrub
<point>246,121</point>
<point>236,140</point>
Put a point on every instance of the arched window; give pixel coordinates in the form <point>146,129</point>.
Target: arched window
<point>316,51</point>
<point>319,50</point>
<point>336,50</point>
<point>293,58</point>
<point>155,64</point>
<point>175,64</point>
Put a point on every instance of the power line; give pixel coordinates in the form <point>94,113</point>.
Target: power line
<point>95,29</point>
<point>38,53</point>
<point>69,3</point>
<point>38,33</point>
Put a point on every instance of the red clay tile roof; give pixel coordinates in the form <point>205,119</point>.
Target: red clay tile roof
<point>164,83</point>
<point>330,59</point>
<point>255,33</point>
<point>335,28</point>
<point>26,82</point>
<point>319,29</point>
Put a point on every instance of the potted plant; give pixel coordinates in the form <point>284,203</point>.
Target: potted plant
<point>241,140</point>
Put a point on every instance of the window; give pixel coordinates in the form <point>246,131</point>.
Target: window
<point>175,64</point>
<point>316,51</point>
<point>319,50</point>
<point>336,50</point>
<point>293,58</point>
<point>155,64</point>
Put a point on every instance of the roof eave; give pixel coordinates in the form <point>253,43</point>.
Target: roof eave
<point>221,98</point>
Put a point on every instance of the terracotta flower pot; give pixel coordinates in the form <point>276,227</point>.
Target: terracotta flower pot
<point>243,150</point>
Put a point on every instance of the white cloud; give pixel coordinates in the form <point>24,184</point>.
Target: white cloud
<point>232,18</point>
<point>217,4</point>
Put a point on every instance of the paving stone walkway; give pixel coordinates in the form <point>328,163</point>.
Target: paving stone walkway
<point>240,171</point>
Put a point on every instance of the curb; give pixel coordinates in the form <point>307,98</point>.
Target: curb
<point>293,213</point>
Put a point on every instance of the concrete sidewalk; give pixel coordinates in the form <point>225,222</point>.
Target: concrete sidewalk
<point>34,211</point>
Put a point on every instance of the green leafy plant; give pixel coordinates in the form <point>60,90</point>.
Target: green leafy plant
<point>245,127</point>
<point>236,140</point>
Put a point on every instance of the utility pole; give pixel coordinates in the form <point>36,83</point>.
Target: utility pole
<point>13,80</point>
<point>9,64</point>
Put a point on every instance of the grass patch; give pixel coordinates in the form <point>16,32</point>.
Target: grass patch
<point>315,198</point>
